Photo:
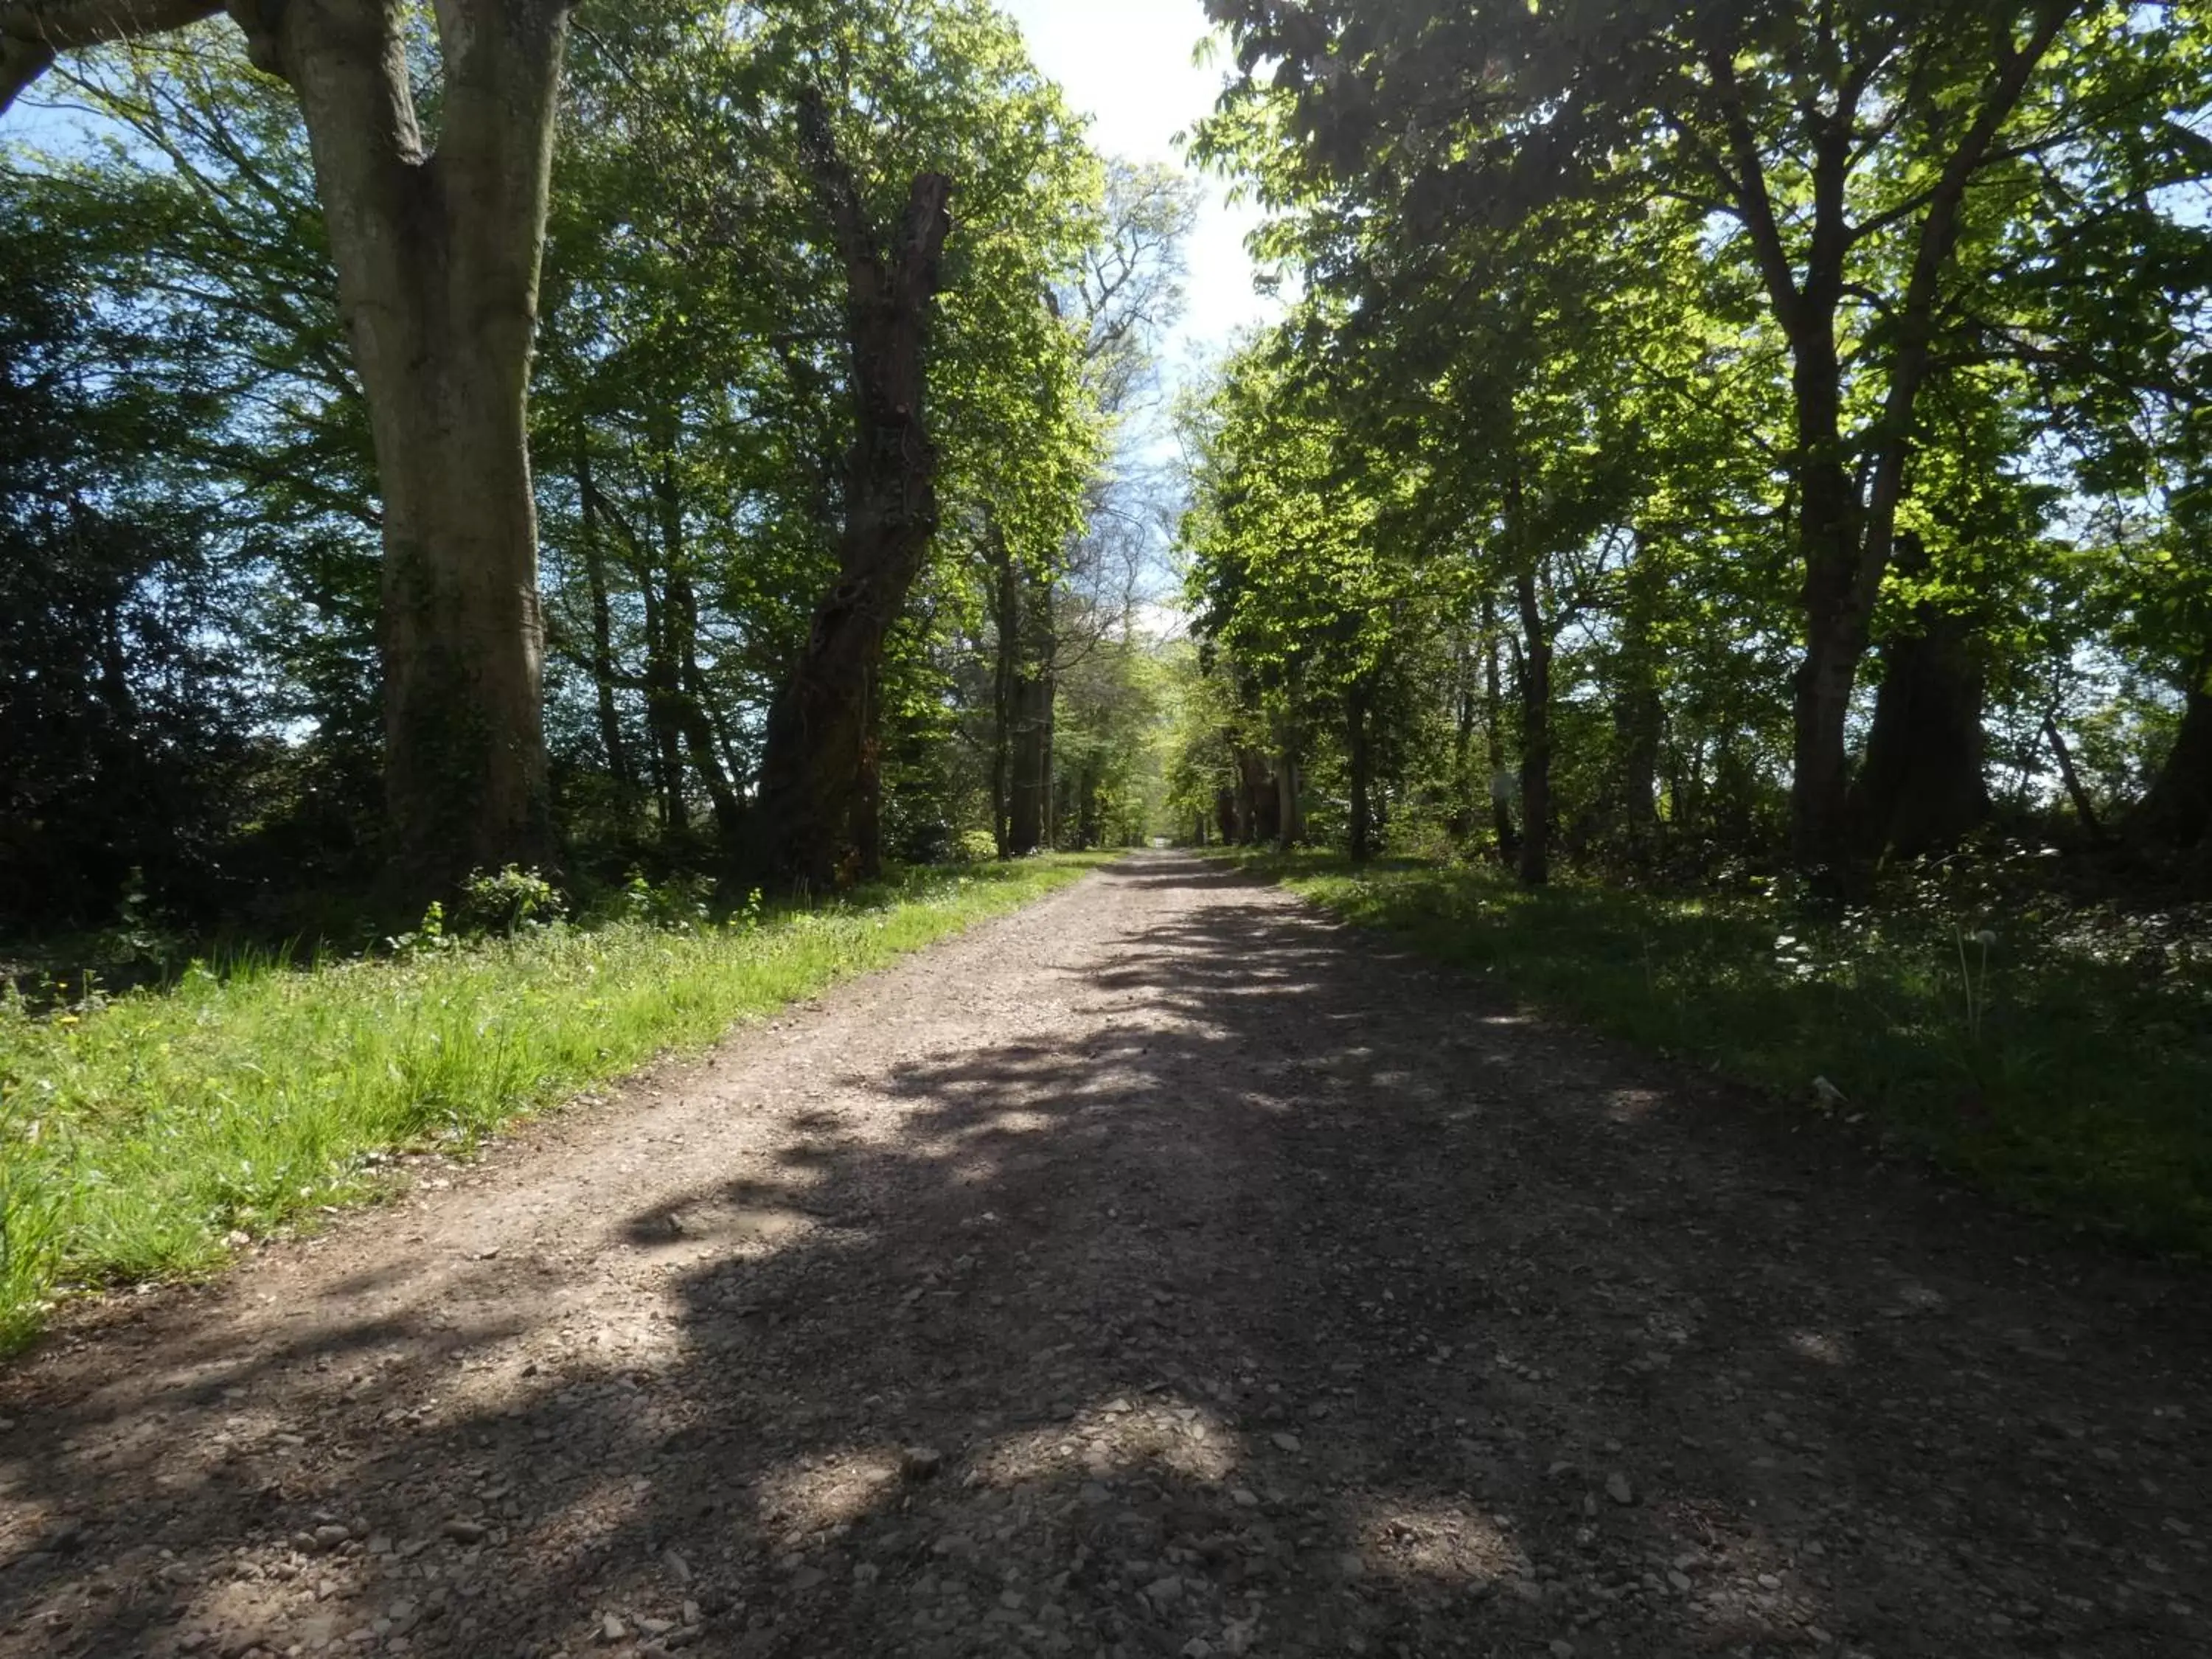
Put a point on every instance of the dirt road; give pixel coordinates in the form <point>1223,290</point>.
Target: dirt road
<point>1162,1270</point>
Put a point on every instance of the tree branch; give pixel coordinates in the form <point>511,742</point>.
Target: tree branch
<point>32,31</point>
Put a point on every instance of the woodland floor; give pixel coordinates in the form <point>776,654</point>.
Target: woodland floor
<point>1161,1270</point>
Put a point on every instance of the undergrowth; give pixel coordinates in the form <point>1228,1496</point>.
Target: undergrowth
<point>2059,1057</point>
<point>143,1136</point>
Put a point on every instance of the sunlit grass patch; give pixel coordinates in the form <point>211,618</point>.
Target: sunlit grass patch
<point>2037,1054</point>
<point>140,1136</point>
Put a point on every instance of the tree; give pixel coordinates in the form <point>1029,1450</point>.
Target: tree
<point>1058,606</point>
<point>436,249</point>
<point>126,742</point>
<point>1859,159</point>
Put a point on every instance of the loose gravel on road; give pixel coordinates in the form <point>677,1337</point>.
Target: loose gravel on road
<point>1162,1270</point>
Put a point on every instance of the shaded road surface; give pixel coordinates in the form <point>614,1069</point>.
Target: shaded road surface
<point>1160,1271</point>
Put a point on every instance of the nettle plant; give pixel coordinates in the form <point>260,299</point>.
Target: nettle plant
<point>508,902</point>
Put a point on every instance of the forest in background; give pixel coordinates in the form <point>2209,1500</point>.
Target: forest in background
<point>238,692</point>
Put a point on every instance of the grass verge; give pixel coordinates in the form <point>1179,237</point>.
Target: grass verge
<point>2065,1067</point>
<point>140,1136</point>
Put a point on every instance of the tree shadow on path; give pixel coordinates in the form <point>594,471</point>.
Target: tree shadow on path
<point>1281,1295</point>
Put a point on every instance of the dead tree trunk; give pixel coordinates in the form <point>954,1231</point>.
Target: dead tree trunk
<point>817,769</point>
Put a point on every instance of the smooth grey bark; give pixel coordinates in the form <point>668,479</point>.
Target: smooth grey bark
<point>437,257</point>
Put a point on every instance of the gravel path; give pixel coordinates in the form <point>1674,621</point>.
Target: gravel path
<point>1161,1270</point>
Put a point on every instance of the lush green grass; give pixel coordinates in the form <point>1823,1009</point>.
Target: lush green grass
<point>138,1135</point>
<point>2078,1080</point>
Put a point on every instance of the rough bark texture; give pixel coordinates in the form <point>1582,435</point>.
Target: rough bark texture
<point>813,820</point>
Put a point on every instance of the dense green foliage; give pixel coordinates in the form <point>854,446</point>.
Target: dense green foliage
<point>1713,433</point>
<point>190,504</point>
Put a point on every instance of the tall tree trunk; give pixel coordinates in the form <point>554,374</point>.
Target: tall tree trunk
<point>1459,824</point>
<point>682,685</point>
<point>1258,804</point>
<point>867,854</point>
<point>2178,810</point>
<point>437,262</point>
<point>698,729</point>
<point>1493,721</point>
<point>1845,529</point>
<point>1005,619</point>
<point>1921,787</point>
<point>1536,734</point>
<point>822,731</point>
<point>1033,693</point>
<point>603,650</point>
<point>661,694</point>
<point>1362,767</point>
<point>1089,823</point>
<point>2084,808</point>
<point>437,259</point>
<point>1639,717</point>
<point>1289,817</point>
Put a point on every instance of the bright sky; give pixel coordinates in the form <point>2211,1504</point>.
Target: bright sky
<point>1128,64</point>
